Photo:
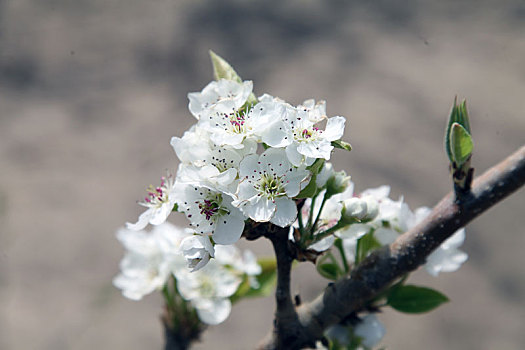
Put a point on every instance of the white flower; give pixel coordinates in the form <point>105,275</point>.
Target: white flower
<point>159,201</point>
<point>197,251</point>
<point>211,212</point>
<point>447,257</point>
<point>149,259</point>
<point>231,255</point>
<point>310,142</point>
<point>370,330</point>
<point>268,184</point>
<point>205,163</point>
<point>208,290</point>
<point>223,96</point>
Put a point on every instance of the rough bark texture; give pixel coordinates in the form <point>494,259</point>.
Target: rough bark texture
<point>406,254</point>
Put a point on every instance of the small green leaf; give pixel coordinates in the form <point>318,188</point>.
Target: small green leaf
<point>413,299</point>
<point>316,167</point>
<point>342,145</point>
<point>175,207</point>
<point>310,190</point>
<point>328,270</point>
<point>222,69</point>
<point>460,144</point>
<point>458,114</point>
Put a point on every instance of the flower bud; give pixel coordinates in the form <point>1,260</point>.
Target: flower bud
<point>359,209</point>
<point>337,183</point>
<point>354,209</point>
<point>372,208</point>
<point>197,251</point>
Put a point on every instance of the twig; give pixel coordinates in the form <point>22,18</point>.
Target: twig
<point>409,251</point>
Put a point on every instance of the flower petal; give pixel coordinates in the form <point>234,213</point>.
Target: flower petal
<point>285,213</point>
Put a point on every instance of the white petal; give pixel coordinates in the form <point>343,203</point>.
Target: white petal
<point>213,311</point>
<point>335,127</point>
<point>293,155</point>
<point>261,210</point>
<point>285,213</point>
<point>161,214</point>
<point>385,236</point>
<point>248,165</point>
<point>229,229</point>
<point>142,222</point>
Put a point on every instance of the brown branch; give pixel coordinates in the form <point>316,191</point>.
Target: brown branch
<point>408,252</point>
<point>286,326</point>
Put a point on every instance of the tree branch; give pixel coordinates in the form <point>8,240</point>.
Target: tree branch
<point>408,252</point>
<point>286,327</point>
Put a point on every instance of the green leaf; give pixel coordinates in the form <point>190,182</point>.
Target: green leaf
<point>460,144</point>
<point>175,207</point>
<point>328,270</point>
<point>342,145</point>
<point>222,69</point>
<point>310,190</point>
<point>316,167</point>
<point>458,114</point>
<point>414,300</point>
<point>266,280</point>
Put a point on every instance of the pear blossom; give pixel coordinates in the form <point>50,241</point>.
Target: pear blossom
<point>211,211</point>
<point>159,201</point>
<point>268,184</point>
<point>223,96</point>
<point>197,251</point>
<point>310,142</point>
<point>205,163</point>
<point>209,290</point>
<point>149,260</point>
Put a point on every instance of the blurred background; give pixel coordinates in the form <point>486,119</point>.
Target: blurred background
<point>91,92</point>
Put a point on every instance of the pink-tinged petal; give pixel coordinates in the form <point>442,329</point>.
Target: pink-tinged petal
<point>335,128</point>
<point>285,213</point>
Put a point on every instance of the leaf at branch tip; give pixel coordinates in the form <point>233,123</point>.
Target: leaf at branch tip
<point>222,69</point>
<point>458,114</point>
<point>342,145</point>
<point>460,144</point>
<point>414,300</point>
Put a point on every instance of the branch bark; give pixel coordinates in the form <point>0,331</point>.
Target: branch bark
<point>407,253</point>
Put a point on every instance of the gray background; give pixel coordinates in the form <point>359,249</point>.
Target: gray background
<point>91,92</point>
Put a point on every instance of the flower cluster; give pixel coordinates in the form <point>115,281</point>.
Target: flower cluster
<point>153,257</point>
<point>243,159</point>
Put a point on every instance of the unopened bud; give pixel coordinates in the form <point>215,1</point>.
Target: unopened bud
<point>359,209</point>
<point>337,183</point>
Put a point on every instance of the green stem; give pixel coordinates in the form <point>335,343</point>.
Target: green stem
<point>339,245</point>
<point>325,197</point>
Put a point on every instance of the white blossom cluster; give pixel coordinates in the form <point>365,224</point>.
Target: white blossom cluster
<point>152,257</point>
<point>372,211</point>
<point>239,161</point>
